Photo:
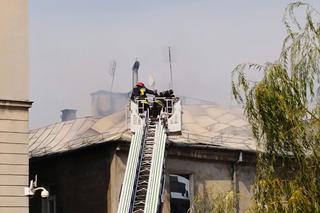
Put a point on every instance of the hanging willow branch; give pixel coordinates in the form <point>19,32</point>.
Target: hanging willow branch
<point>283,111</point>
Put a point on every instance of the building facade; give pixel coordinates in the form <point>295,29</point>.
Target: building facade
<point>14,106</point>
<point>82,161</point>
<point>90,179</point>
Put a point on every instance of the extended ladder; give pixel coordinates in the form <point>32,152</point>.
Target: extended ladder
<point>144,176</point>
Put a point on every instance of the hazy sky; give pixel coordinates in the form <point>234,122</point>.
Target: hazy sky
<point>72,43</point>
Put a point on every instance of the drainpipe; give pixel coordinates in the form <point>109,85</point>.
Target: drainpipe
<point>236,183</point>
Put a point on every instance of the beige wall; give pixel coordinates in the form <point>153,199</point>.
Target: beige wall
<point>215,175</point>
<point>117,169</point>
<point>13,49</point>
<point>212,176</point>
<point>14,158</point>
<point>13,106</point>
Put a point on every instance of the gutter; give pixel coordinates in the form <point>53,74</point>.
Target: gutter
<point>213,146</point>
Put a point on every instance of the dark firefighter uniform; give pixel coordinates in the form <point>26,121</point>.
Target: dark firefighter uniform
<point>140,92</point>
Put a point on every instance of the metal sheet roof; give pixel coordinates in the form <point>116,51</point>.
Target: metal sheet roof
<point>208,124</point>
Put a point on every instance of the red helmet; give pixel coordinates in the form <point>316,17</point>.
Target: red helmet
<point>140,84</point>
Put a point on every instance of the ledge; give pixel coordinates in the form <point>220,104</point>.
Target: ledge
<point>15,104</point>
<point>201,152</point>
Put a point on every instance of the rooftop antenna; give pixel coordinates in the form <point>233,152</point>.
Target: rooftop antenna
<point>171,80</point>
<point>112,72</point>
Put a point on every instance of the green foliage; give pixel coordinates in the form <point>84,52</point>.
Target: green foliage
<point>283,110</point>
<point>209,201</point>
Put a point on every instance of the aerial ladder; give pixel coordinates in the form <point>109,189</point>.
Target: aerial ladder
<point>144,177</point>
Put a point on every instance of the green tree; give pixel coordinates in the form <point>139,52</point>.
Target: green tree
<point>209,201</point>
<point>283,110</point>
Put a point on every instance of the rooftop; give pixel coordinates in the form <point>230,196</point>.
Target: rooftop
<point>203,124</point>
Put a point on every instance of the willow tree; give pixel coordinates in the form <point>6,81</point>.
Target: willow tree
<point>283,110</point>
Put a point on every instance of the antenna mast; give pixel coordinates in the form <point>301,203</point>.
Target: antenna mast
<point>112,73</point>
<point>171,80</point>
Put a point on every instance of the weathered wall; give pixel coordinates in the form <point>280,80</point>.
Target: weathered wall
<point>206,175</point>
<point>90,180</point>
<point>217,177</point>
<point>246,177</point>
<point>117,170</point>
<point>13,106</point>
<point>79,180</point>
<point>209,169</point>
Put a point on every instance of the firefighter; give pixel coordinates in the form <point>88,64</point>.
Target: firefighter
<point>139,92</point>
<point>161,103</point>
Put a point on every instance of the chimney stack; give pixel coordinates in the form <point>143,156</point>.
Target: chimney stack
<point>135,69</point>
<point>68,114</point>
<point>101,103</point>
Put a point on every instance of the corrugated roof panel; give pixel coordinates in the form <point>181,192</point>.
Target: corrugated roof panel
<point>86,125</point>
<point>36,136</point>
<point>109,122</point>
<point>60,136</point>
<point>46,143</point>
<point>42,138</point>
<point>71,134</point>
<point>32,133</point>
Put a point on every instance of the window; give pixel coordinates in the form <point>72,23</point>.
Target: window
<point>179,193</point>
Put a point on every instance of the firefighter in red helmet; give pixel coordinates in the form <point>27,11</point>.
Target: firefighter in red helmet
<point>140,92</point>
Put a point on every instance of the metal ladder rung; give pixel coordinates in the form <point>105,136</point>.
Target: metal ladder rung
<point>141,190</point>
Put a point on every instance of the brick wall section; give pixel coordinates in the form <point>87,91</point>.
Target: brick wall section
<point>78,179</point>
